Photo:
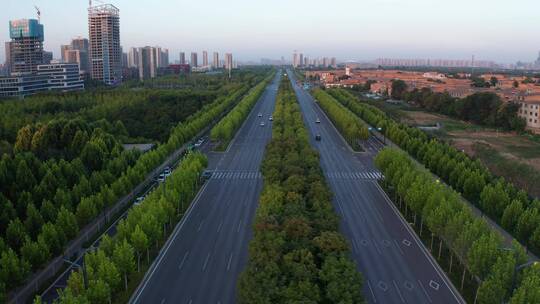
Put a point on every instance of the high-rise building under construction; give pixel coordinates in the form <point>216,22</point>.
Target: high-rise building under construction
<point>104,40</point>
<point>25,51</point>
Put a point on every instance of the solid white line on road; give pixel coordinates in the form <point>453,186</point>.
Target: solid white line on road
<point>190,301</point>
<point>162,301</point>
<point>206,262</point>
<point>372,293</point>
<point>200,226</point>
<point>183,260</point>
<point>425,291</point>
<point>219,227</point>
<point>229,263</point>
<point>239,225</point>
<point>399,291</point>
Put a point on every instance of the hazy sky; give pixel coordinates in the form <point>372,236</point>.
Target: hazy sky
<point>500,30</point>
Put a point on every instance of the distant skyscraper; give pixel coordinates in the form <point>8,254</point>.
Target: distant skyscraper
<point>133,57</point>
<point>164,58</point>
<point>295,59</point>
<point>124,60</point>
<point>301,59</point>
<point>77,52</point>
<point>193,61</point>
<point>147,62</point>
<point>333,62</point>
<point>228,61</point>
<point>182,58</point>
<point>205,58</point>
<point>215,62</point>
<point>25,51</point>
<point>326,62</point>
<point>105,51</point>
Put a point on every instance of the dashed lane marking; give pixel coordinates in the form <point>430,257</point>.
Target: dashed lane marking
<point>183,260</point>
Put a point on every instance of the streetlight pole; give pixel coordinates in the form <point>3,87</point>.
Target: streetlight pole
<point>384,137</point>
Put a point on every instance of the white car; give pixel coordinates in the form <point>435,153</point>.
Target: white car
<point>271,118</point>
<point>262,123</point>
<point>161,178</point>
<point>260,115</point>
<point>318,121</point>
<point>167,172</point>
<point>139,200</point>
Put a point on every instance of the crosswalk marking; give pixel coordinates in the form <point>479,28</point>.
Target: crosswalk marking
<point>371,175</point>
<point>236,175</point>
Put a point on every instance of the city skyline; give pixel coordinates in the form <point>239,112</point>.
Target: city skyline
<point>486,30</point>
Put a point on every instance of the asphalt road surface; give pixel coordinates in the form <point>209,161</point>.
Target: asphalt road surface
<point>208,249</point>
<point>396,267</point>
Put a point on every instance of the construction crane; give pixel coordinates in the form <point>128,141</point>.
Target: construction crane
<point>99,1</point>
<point>38,13</point>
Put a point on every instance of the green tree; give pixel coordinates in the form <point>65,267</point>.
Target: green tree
<point>15,233</point>
<point>124,259</point>
<point>399,87</point>
<point>33,221</point>
<point>66,221</point>
<point>343,281</point>
<point>12,269</point>
<point>140,243</point>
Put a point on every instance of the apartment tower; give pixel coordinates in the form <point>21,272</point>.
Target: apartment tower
<point>193,61</point>
<point>205,58</point>
<point>215,62</point>
<point>105,51</point>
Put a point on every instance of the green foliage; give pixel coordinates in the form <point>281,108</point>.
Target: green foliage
<point>399,87</point>
<point>114,262</point>
<point>297,254</point>
<point>347,123</point>
<point>69,163</point>
<point>528,291</point>
<point>498,198</point>
<point>484,108</point>
<point>449,217</point>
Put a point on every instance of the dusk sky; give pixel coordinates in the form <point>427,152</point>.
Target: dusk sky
<point>504,31</point>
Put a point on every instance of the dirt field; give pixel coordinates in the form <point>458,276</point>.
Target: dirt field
<point>511,148</point>
<point>421,118</point>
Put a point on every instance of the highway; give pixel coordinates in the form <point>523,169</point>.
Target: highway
<point>397,268</point>
<point>208,249</point>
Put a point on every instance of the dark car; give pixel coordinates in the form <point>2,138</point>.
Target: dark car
<point>318,137</point>
<point>207,174</point>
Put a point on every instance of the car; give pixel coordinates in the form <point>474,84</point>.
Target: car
<point>262,123</point>
<point>161,178</point>
<point>138,200</point>
<point>207,174</point>
<point>199,142</point>
<point>318,137</point>
<point>260,115</point>
<point>271,118</point>
<point>318,120</point>
<point>167,171</point>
